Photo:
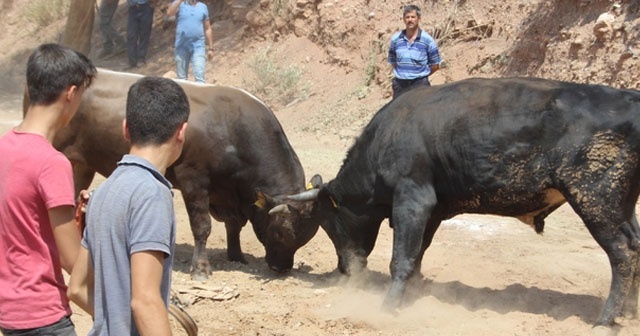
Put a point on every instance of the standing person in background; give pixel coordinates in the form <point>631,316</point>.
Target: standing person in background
<point>113,42</point>
<point>139,25</point>
<point>123,272</point>
<point>413,54</point>
<point>38,233</point>
<point>192,27</point>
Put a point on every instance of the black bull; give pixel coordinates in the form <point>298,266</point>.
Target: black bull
<point>511,147</point>
<point>236,161</point>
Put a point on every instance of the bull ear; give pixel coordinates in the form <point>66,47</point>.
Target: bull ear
<point>263,201</point>
<point>315,182</point>
<point>324,192</point>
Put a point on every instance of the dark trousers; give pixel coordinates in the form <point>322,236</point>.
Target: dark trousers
<point>111,37</point>
<point>64,327</point>
<point>139,25</point>
<point>401,86</point>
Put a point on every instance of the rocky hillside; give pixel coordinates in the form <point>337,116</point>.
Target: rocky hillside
<point>589,41</point>
<point>341,44</point>
<point>592,41</point>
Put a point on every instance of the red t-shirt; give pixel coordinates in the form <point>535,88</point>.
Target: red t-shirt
<point>34,177</point>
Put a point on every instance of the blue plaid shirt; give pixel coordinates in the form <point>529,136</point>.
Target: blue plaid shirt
<point>413,60</point>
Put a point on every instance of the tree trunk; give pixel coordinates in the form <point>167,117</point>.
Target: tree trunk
<point>79,27</point>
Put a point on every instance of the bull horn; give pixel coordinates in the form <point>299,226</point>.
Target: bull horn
<point>308,195</point>
<point>280,208</point>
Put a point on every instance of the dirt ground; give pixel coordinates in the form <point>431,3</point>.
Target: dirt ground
<point>483,275</point>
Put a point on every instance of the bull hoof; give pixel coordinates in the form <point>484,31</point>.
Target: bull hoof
<point>200,270</point>
<point>603,331</point>
<point>199,276</point>
<point>237,258</point>
<point>391,305</point>
<point>393,311</point>
<point>279,270</point>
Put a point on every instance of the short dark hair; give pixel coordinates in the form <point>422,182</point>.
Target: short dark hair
<point>156,108</point>
<point>53,68</point>
<point>411,8</point>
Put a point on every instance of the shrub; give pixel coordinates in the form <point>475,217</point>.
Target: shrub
<point>43,12</point>
<point>276,82</point>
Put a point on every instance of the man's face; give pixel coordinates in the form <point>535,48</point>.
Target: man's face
<point>411,20</point>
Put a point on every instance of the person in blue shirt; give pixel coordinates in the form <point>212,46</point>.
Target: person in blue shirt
<point>122,275</point>
<point>413,54</point>
<point>193,32</point>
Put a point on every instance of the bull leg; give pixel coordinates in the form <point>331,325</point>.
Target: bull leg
<point>82,176</point>
<point>623,263</point>
<point>426,242</point>
<point>196,201</point>
<point>615,234</point>
<point>605,197</point>
<point>631,304</point>
<point>412,206</point>
<point>234,251</point>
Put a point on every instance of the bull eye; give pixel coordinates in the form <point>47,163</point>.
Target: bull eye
<point>277,235</point>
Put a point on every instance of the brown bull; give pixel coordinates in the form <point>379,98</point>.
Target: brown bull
<point>236,154</point>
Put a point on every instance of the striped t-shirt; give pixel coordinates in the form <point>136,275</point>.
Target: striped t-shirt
<point>412,60</point>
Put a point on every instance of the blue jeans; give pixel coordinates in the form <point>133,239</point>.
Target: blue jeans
<point>64,327</point>
<point>197,56</point>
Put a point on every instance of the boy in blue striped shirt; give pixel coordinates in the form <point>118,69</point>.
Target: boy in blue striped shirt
<point>413,54</point>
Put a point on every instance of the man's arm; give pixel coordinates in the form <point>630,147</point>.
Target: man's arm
<point>208,33</point>
<point>391,55</point>
<point>66,235</point>
<point>173,8</point>
<point>149,310</point>
<point>434,68</point>
<point>80,288</point>
<point>433,55</point>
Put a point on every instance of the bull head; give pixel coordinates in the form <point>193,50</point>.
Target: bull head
<point>290,226</point>
<point>318,207</point>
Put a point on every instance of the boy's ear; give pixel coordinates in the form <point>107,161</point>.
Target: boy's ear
<point>182,132</point>
<point>71,92</point>
<point>125,131</point>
